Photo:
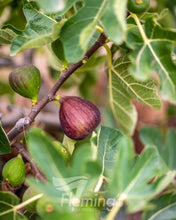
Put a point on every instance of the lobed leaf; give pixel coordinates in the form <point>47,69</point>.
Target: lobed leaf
<point>40,30</point>
<point>78,31</point>
<point>123,88</point>
<point>152,47</point>
<point>114,14</point>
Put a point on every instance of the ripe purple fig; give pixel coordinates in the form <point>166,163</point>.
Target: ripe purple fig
<point>78,117</point>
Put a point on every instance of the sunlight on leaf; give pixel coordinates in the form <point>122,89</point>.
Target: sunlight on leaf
<point>51,6</point>
<point>40,30</point>
<point>79,30</point>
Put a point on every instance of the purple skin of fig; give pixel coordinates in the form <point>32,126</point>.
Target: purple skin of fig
<point>78,117</point>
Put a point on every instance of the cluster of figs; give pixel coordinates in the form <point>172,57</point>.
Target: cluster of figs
<point>78,116</point>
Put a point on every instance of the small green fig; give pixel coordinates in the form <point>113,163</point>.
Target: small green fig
<point>78,117</point>
<point>14,171</point>
<point>26,81</point>
<point>29,193</point>
<point>138,6</point>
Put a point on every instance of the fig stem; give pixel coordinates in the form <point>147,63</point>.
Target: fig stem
<point>23,204</point>
<point>69,144</point>
<point>16,130</point>
<point>34,102</point>
<point>99,29</point>
<point>56,100</point>
<point>99,184</point>
<point>109,55</point>
<point>116,208</point>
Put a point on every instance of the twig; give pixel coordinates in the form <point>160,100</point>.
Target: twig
<point>26,155</point>
<point>15,113</point>
<point>49,119</point>
<point>25,122</point>
<point>4,62</point>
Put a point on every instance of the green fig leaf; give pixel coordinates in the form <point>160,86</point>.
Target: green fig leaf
<point>131,176</point>
<point>152,46</point>
<point>107,142</point>
<point>123,88</point>
<point>8,201</point>
<point>78,31</point>
<point>163,208</point>
<point>165,143</point>
<point>49,159</point>
<point>51,6</point>
<point>40,30</point>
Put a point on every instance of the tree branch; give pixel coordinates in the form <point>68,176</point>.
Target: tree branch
<point>48,119</point>
<point>26,155</point>
<point>24,123</point>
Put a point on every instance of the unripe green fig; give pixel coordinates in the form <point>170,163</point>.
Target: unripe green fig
<point>14,171</point>
<point>26,81</point>
<point>138,6</point>
<point>29,193</point>
<point>78,117</point>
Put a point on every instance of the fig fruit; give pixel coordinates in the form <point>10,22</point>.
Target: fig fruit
<point>14,171</point>
<point>26,81</point>
<point>78,117</point>
<point>29,193</point>
<point>138,6</point>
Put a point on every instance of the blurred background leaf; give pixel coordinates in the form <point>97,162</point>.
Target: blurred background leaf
<point>164,208</point>
<point>165,143</point>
